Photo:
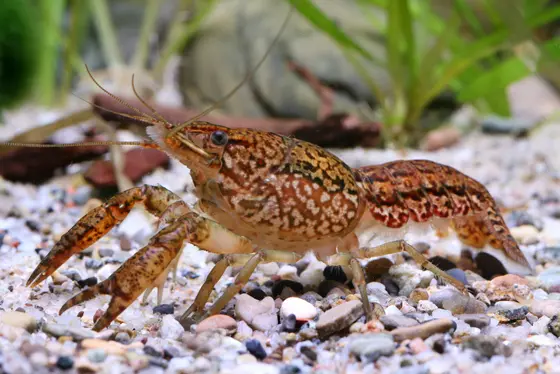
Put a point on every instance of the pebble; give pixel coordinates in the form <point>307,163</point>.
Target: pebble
<point>257,293</point>
<point>554,326</point>
<point>19,319</point>
<point>540,326</point>
<point>88,282</point>
<point>550,278</point>
<point>506,311</point>
<point>122,337</point>
<point>289,323</point>
<point>391,322</point>
<point>303,310</point>
<point>426,306</point>
<point>106,252</point>
<point>256,349</point>
<point>309,352</point>
<point>65,362</point>
<point>164,309</point>
<point>280,286</point>
<point>408,277</point>
<point>93,264</point>
<point>486,346</point>
<point>170,328</point>
<point>290,369</point>
<point>424,330</point>
<point>260,315</point>
<point>525,235</point>
<point>458,274</point>
<point>218,321</point>
<point>339,318</point>
<point>475,320</point>
<point>548,308</point>
<point>269,269</point>
<point>335,273</point>
<point>96,355</point>
<point>370,347</point>
<point>456,302</point>
<point>377,268</point>
<point>313,274</point>
<point>289,272</point>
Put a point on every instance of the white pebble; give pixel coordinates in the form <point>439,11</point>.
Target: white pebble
<point>288,272</point>
<point>269,269</point>
<point>313,274</point>
<point>170,328</point>
<point>442,313</point>
<point>393,310</point>
<point>303,310</point>
<point>426,306</point>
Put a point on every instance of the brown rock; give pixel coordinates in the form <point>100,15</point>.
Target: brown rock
<point>138,162</point>
<point>339,318</point>
<point>424,330</point>
<point>218,321</point>
<point>440,138</point>
<point>376,268</point>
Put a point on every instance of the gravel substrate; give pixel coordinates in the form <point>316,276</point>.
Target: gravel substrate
<point>298,318</point>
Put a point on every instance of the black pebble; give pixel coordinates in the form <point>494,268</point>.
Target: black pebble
<point>489,265</point>
<point>390,285</point>
<point>442,263</point>
<point>257,293</point>
<point>32,225</point>
<point>164,309</point>
<point>151,351</point>
<point>289,324</point>
<point>65,362</point>
<point>309,353</point>
<point>335,273</point>
<point>170,352</point>
<point>439,346</point>
<point>88,282</point>
<point>255,348</point>
<point>279,286</point>
<point>290,369</point>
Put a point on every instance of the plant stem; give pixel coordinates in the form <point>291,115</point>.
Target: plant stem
<point>148,26</point>
<point>52,11</point>
<point>78,23</point>
<point>107,34</point>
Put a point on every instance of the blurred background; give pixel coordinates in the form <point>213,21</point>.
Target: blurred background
<point>398,74</point>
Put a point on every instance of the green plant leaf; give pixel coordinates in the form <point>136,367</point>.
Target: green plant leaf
<point>318,18</point>
<point>496,79</point>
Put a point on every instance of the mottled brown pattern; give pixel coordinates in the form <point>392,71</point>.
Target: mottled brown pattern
<point>421,189</point>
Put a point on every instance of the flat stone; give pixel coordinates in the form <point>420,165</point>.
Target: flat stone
<point>19,319</point>
<point>392,322</point>
<point>475,320</point>
<point>370,347</point>
<point>486,346</point>
<point>424,330</point>
<point>218,321</point>
<point>339,318</point>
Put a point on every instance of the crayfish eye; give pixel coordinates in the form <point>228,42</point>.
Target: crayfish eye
<point>219,138</point>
